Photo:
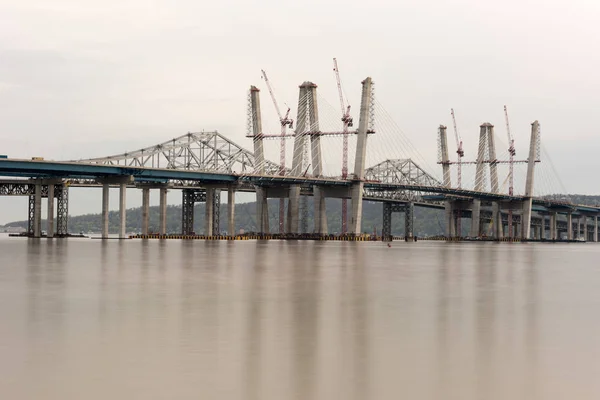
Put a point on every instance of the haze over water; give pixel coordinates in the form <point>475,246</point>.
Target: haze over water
<point>87,319</point>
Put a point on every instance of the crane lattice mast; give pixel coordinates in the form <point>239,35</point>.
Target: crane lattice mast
<point>285,122</point>
<point>460,153</point>
<point>511,177</point>
<point>347,122</point>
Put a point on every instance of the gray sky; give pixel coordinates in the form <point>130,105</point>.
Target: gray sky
<point>93,78</point>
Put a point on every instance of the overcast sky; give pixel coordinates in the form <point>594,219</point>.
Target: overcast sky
<point>92,78</point>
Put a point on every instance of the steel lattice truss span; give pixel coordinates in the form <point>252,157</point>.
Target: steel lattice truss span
<point>194,151</point>
<point>401,172</point>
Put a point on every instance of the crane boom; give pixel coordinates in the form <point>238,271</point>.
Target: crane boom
<point>264,74</point>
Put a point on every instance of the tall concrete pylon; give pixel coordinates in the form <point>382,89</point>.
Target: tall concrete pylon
<point>443,156</point>
<point>255,124</point>
<point>317,160</point>
<point>445,161</point>
<point>492,158</point>
<point>298,158</point>
<point>361,152</point>
<point>534,147</point>
<point>479,180</point>
<point>307,124</point>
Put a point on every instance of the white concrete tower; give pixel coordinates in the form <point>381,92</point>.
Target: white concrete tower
<point>361,152</point>
<point>534,147</point>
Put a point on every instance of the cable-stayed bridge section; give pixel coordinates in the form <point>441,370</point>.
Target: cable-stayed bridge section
<point>203,164</point>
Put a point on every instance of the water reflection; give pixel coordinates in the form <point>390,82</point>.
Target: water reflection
<point>247,320</point>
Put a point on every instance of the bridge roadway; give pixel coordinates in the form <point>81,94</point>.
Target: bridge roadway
<point>76,170</point>
<point>185,179</point>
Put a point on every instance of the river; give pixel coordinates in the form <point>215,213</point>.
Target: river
<point>133,319</point>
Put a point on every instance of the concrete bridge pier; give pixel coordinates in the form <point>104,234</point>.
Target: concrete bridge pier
<point>409,214</point>
<point>37,211</point>
<point>553,228</point>
<point>497,220</point>
<point>105,197</point>
<point>208,211</point>
<point>50,217</point>
<point>320,212</point>
<point>476,218</point>
<point>595,228</point>
<point>262,210</point>
<point>163,211</point>
<point>450,220</point>
<point>122,208</point>
<point>569,226</point>
<point>122,182</point>
<point>230,211</point>
<point>145,210</point>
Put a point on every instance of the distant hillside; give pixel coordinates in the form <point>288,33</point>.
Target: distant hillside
<point>427,222</point>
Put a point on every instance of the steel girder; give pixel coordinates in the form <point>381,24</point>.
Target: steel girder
<point>61,193</point>
<point>388,209</point>
<point>194,151</point>
<point>189,198</point>
<point>31,214</point>
<point>400,171</point>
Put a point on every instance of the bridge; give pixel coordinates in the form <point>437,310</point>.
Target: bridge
<point>203,164</point>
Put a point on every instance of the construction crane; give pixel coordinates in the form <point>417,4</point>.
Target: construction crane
<point>347,122</point>
<point>461,153</point>
<point>285,122</point>
<point>511,152</point>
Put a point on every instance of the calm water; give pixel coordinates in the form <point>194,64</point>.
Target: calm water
<point>86,319</point>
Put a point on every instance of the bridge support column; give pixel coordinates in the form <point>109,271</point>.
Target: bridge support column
<point>357,200</point>
<point>50,218</point>
<point>293,209</point>
<point>163,210</point>
<point>145,210</point>
<point>320,213</point>
<point>62,210</point>
<point>209,211</point>
<point>122,210</point>
<point>475,218</point>
<point>37,211</point>
<point>217,213</point>
<point>595,228</point>
<point>585,228</point>
<point>526,219</point>
<point>569,226</point>
<point>450,221</point>
<point>105,189</point>
<point>386,230</point>
<point>409,213</point>
<point>262,210</point>
<point>187,211</point>
<point>497,220</point>
<point>364,123</point>
<point>553,232</point>
<point>231,211</point>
